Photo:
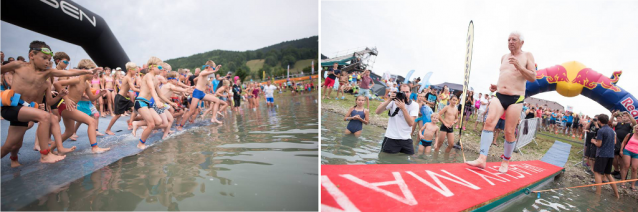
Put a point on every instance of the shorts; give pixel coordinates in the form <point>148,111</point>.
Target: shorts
<point>500,124</point>
<point>426,143</point>
<point>237,101</point>
<point>630,153</point>
<point>142,102</point>
<point>413,96</point>
<point>480,116</point>
<point>616,151</point>
<point>160,109</point>
<point>270,100</point>
<point>392,146</point>
<point>198,94</point>
<point>365,92</point>
<point>122,104</point>
<point>223,98</point>
<point>329,82</point>
<point>10,113</point>
<point>507,100</point>
<point>603,165</point>
<point>86,107</point>
<point>444,128</point>
<point>552,122</point>
<point>568,124</point>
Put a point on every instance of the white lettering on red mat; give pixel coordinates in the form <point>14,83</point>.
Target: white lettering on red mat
<point>530,168</point>
<point>495,168</point>
<point>442,189</point>
<point>342,200</point>
<point>407,198</point>
<point>502,179</point>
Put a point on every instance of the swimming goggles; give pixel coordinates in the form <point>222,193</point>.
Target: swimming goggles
<point>158,66</point>
<point>66,62</point>
<point>206,66</point>
<point>43,50</point>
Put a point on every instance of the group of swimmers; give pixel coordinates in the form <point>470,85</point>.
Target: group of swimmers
<point>153,95</point>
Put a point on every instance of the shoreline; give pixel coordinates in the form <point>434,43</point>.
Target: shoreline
<point>574,175</point>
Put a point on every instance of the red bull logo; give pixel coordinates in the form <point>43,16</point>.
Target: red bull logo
<point>554,74</point>
<point>628,103</point>
<point>590,79</point>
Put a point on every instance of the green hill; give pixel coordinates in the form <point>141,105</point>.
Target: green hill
<point>249,63</point>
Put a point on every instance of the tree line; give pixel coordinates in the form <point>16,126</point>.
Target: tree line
<point>284,53</point>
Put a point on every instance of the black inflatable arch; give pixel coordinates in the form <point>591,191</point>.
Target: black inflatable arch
<point>70,22</point>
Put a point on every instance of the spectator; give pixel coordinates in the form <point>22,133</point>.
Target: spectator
<point>364,86</point>
<point>20,58</point>
<point>605,154</point>
<point>629,155</point>
<point>623,124</point>
<point>402,114</point>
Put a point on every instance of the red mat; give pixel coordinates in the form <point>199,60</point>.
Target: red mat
<point>423,187</point>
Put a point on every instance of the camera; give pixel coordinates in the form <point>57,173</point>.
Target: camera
<point>595,120</point>
<point>401,96</point>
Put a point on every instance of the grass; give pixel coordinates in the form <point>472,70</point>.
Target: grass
<point>255,65</point>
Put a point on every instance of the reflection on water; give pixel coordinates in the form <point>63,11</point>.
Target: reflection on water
<point>338,148</point>
<point>256,160</point>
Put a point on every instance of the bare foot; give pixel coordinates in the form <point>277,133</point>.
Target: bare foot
<point>165,136</point>
<point>63,151</point>
<point>141,145</point>
<point>179,128</point>
<point>74,137</point>
<point>476,163</point>
<point>109,132</point>
<point>14,163</point>
<point>98,133</point>
<point>218,113</point>
<point>130,126</point>
<point>96,149</point>
<point>134,130</point>
<point>504,166</point>
<point>51,158</point>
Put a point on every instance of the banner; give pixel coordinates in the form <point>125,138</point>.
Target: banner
<point>468,65</point>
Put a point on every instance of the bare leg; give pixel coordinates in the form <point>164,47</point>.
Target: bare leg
<point>108,129</point>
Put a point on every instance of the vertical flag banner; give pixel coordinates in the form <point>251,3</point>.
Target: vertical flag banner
<point>469,41</point>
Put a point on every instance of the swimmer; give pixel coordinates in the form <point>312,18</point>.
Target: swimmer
<point>357,116</point>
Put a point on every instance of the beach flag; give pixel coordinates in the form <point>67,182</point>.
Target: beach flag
<point>469,43</point>
<point>288,75</point>
<point>312,67</point>
<point>263,76</point>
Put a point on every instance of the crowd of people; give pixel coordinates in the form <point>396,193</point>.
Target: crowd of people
<point>153,96</point>
<point>609,141</point>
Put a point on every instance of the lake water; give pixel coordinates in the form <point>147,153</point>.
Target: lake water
<point>257,160</point>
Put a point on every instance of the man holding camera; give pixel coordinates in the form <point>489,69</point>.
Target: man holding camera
<point>402,113</point>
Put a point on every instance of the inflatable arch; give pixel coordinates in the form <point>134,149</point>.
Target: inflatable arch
<point>70,22</point>
<point>572,78</point>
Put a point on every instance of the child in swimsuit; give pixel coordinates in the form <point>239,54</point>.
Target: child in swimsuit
<point>357,116</point>
<point>428,133</point>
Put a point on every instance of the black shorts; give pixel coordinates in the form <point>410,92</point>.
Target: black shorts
<point>500,124</point>
<point>122,104</point>
<point>237,100</point>
<point>568,125</point>
<point>443,128</point>
<point>603,165</point>
<point>396,145</point>
<point>552,122</point>
<point>616,151</point>
<point>10,113</point>
<point>507,100</point>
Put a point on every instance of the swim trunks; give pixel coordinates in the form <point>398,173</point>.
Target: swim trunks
<point>10,113</point>
<point>198,94</point>
<point>142,102</point>
<point>122,104</point>
<point>426,143</point>
<point>444,128</point>
<point>507,100</point>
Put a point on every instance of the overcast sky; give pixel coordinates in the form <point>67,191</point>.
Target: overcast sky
<point>430,36</point>
<point>170,29</point>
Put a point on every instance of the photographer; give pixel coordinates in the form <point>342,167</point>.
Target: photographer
<point>591,130</point>
<point>402,113</point>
